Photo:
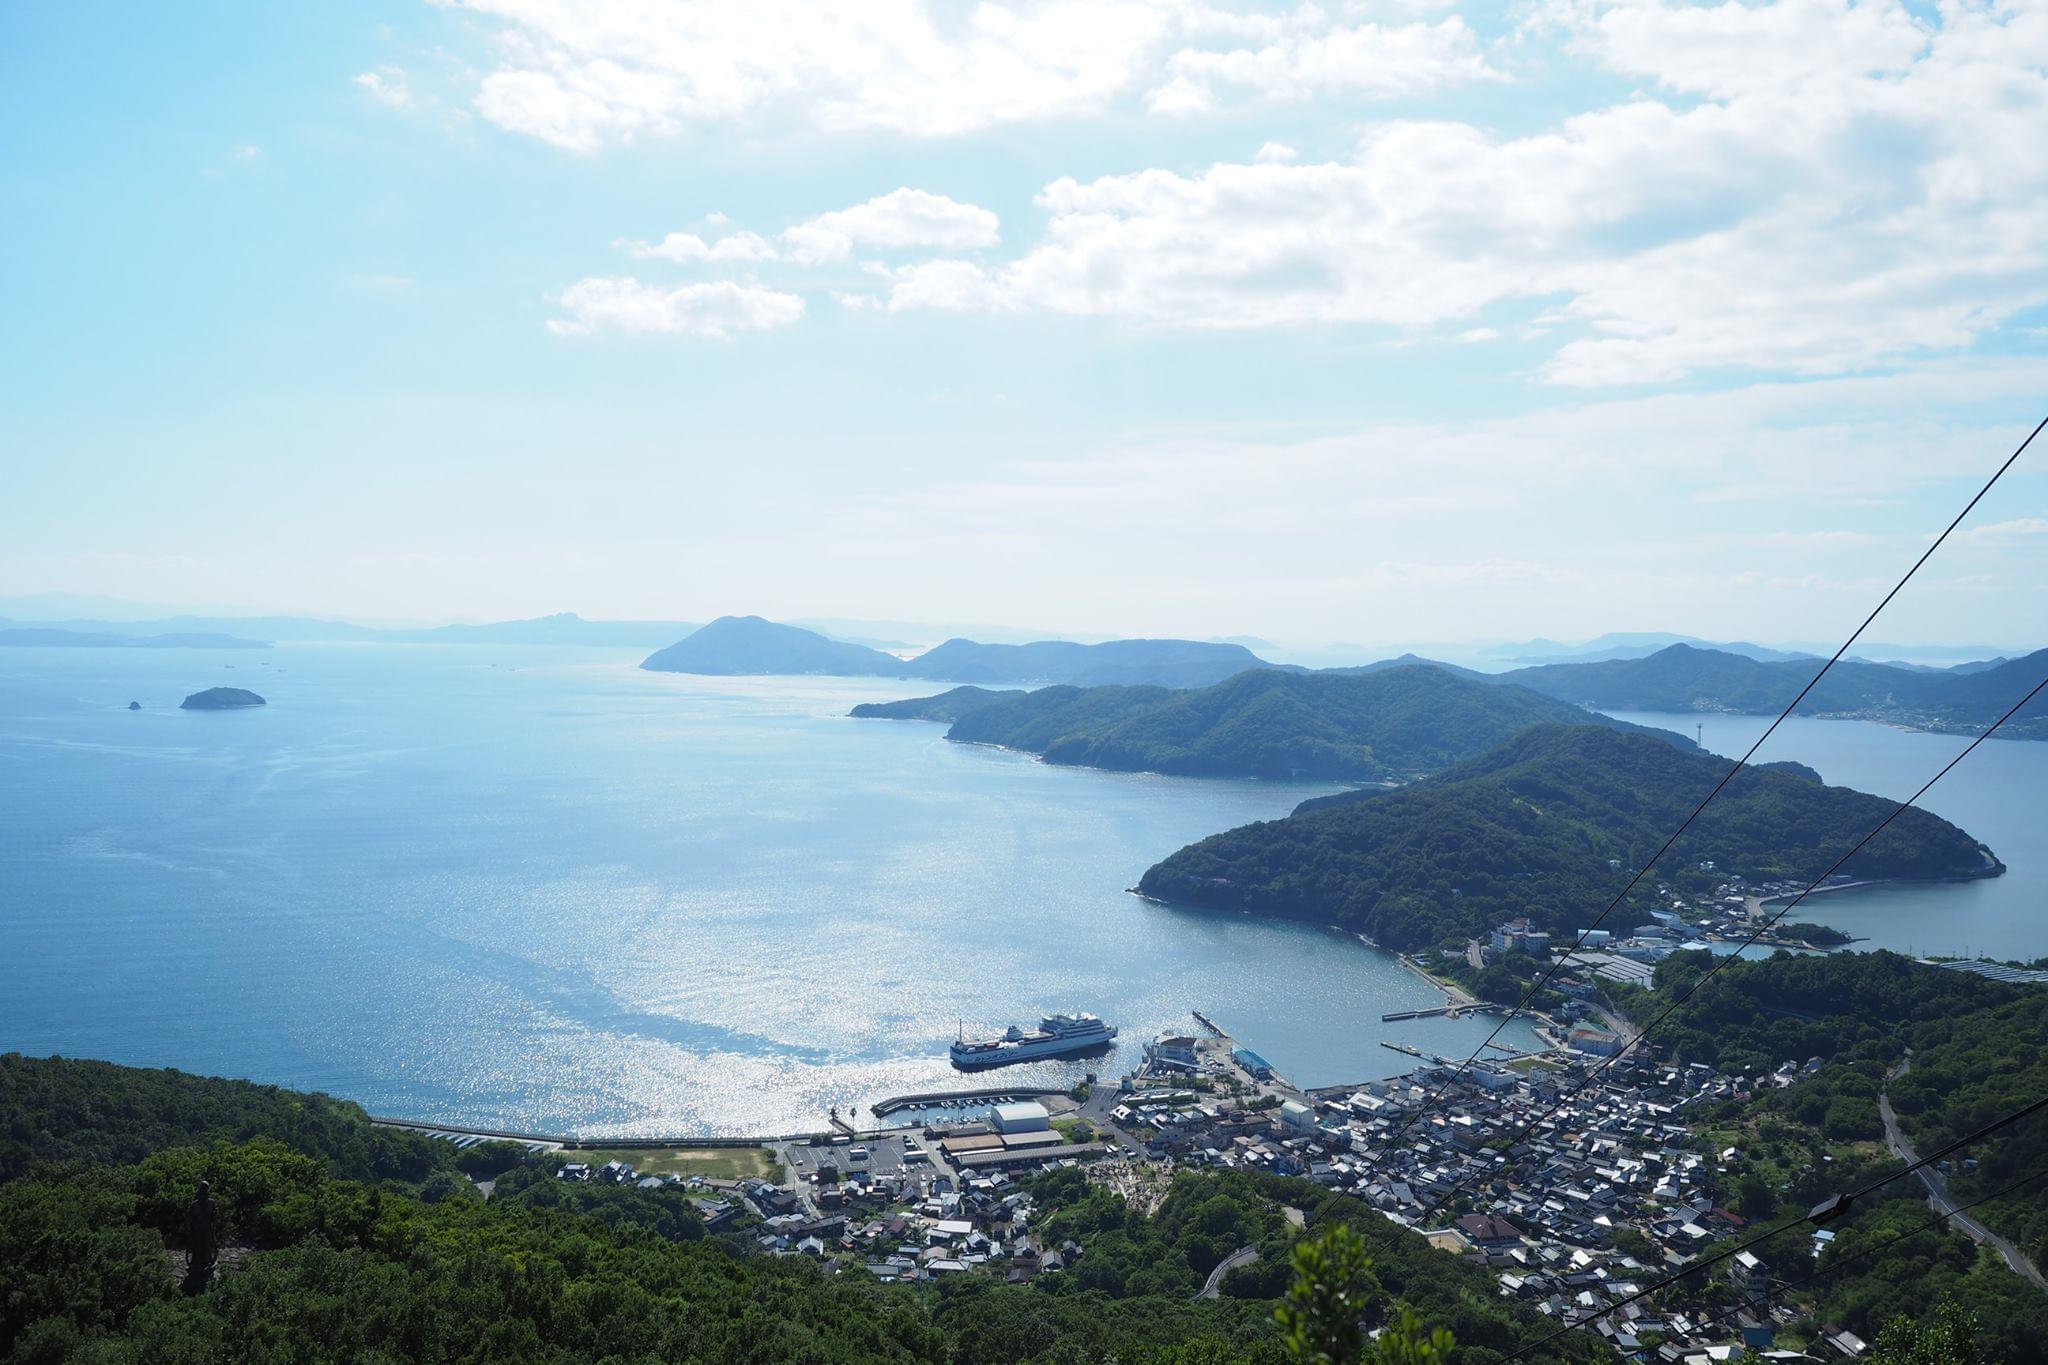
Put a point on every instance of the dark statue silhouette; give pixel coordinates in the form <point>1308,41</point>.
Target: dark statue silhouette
<point>200,1240</point>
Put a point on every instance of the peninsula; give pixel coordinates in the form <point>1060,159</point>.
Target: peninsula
<point>1549,827</point>
<point>946,706</point>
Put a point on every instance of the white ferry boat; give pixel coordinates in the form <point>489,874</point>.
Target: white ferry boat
<point>1055,1036</point>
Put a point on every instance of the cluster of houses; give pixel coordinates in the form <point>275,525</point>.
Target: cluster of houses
<point>1684,922</point>
<point>1546,1214</point>
<point>1603,1190</point>
<point>979,1230</point>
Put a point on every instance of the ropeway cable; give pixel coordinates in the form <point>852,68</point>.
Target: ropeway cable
<point>1722,961</point>
<point>1544,980</point>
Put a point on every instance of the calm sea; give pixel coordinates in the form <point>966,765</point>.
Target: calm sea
<point>1999,794</point>
<point>545,890</point>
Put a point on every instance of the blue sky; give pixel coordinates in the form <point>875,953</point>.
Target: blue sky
<point>1383,322</point>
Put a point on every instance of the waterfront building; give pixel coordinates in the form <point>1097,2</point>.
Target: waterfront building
<point>1022,1116</point>
<point>1520,936</point>
<point>1596,1041</point>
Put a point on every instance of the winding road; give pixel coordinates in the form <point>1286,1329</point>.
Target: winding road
<point>1241,1256</point>
<point>1938,1196</point>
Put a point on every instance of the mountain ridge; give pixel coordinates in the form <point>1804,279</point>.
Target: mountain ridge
<point>1686,678</point>
<point>1386,725</point>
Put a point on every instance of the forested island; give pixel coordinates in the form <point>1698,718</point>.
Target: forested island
<point>1962,700</point>
<point>1547,825</point>
<point>221,699</point>
<point>1381,725</point>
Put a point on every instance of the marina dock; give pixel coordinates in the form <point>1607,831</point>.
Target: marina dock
<point>995,1095</point>
<point>1451,1011</point>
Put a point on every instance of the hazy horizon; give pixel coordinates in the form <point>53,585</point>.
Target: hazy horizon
<point>900,635</point>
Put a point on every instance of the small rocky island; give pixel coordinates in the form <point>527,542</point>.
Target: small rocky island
<point>221,699</point>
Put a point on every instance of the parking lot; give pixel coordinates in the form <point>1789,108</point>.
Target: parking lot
<point>884,1156</point>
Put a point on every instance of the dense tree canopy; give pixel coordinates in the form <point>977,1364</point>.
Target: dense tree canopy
<point>339,1247</point>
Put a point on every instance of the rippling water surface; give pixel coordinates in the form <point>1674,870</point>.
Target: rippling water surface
<point>543,889</point>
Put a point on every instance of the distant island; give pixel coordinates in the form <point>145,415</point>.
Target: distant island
<point>1384,725</point>
<point>46,637</point>
<point>248,632</point>
<point>1960,700</point>
<point>751,645</point>
<point>1548,825</point>
<point>1154,663</point>
<point>221,699</point>
<point>1625,644</point>
<point>740,646</point>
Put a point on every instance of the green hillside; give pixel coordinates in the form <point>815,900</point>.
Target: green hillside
<point>341,1242</point>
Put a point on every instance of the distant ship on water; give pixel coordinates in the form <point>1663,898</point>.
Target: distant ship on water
<point>1056,1036</point>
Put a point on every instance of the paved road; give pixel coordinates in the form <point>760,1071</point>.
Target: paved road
<point>1096,1109</point>
<point>1614,1023</point>
<point>1937,1190</point>
<point>1241,1256</point>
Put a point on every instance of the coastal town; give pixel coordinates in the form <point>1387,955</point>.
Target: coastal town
<point>1609,1187</point>
<point>1575,1173</point>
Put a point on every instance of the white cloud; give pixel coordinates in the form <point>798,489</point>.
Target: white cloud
<point>1875,194</point>
<point>2018,528</point>
<point>688,248</point>
<point>388,86</point>
<point>899,219</point>
<point>956,286</point>
<point>714,310</point>
<point>903,219</point>
<point>1731,49</point>
<point>582,74</point>
<point>1275,154</point>
<point>1381,61</point>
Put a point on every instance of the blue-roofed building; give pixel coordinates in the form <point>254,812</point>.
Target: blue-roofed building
<point>1261,1069</point>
